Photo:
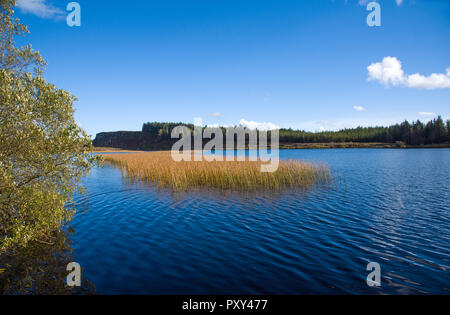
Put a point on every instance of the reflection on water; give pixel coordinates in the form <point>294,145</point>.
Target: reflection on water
<point>40,269</point>
<point>385,206</point>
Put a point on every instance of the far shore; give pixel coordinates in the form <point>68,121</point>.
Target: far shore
<point>284,146</point>
<point>360,145</point>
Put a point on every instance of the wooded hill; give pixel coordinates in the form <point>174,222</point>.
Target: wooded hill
<point>414,133</point>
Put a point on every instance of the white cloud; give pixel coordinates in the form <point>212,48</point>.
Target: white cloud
<point>359,108</point>
<point>364,2</point>
<point>217,114</point>
<point>248,124</point>
<point>339,124</point>
<point>389,72</point>
<point>258,125</point>
<point>433,81</point>
<point>40,8</point>
<point>427,114</point>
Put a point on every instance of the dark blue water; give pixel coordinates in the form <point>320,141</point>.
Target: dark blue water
<point>386,206</point>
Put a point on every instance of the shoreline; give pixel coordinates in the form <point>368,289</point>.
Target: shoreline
<point>294,146</point>
<point>361,145</point>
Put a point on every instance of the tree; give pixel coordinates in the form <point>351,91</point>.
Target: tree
<point>43,152</point>
<point>448,130</point>
<point>440,132</point>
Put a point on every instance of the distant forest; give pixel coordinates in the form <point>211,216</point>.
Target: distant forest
<point>415,133</point>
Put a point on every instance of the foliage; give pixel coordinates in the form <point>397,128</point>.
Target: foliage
<point>43,152</point>
<point>162,130</point>
<point>416,133</point>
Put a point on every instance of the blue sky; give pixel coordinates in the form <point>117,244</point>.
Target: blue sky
<point>299,64</point>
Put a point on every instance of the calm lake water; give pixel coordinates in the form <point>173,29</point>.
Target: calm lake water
<point>386,206</point>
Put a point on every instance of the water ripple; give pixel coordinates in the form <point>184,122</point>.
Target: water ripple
<point>392,209</point>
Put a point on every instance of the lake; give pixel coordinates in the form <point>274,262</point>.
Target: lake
<point>389,206</point>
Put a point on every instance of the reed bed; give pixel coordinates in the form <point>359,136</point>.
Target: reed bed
<point>159,168</point>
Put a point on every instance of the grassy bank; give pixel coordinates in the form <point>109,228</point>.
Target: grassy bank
<point>159,168</point>
<point>108,149</point>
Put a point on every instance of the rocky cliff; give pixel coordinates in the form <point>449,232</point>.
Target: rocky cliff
<point>128,140</point>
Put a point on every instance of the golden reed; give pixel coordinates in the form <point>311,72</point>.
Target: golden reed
<point>159,168</point>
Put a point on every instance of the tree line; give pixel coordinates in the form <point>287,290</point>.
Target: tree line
<point>415,133</point>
